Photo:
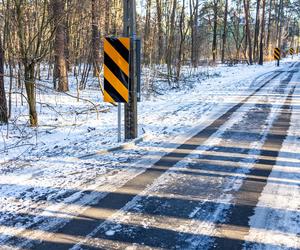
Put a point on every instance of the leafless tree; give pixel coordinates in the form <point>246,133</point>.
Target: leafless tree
<point>3,104</point>
<point>60,66</point>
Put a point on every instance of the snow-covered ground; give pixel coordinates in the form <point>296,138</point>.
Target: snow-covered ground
<point>64,121</point>
<point>43,172</point>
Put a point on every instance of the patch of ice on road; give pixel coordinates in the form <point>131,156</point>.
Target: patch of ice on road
<point>110,233</point>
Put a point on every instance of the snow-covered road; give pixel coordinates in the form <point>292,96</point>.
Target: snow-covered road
<point>232,182</point>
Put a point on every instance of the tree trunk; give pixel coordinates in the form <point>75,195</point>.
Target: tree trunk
<point>277,14</point>
<point>67,38</point>
<point>224,31</point>
<point>3,104</point>
<point>269,26</point>
<point>262,33</point>
<point>60,67</point>
<point>160,32</point>
<point>95,37</point>
<point>171,39</point>
<point>256,32</point>
<point>182,39</point>
<point>248,33</point>
<point>214,43</point>
<point>147,34</point>
<point>280,19</point>
<point>194,12</point>
<point>30,91</point>
<point>238,40</point>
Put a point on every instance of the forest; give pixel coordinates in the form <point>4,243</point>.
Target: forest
<point>50,45</point>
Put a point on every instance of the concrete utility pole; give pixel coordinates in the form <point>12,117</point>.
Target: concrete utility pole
<point>129,30</point>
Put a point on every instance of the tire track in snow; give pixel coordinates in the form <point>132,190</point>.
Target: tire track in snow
<point>165,162</point>
<point>248,195</point>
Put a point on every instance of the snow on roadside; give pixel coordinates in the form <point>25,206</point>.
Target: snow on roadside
<point>64,121</point>
<point>277,216</point>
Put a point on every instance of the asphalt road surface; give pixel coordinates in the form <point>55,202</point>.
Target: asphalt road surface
<point>202,194</point>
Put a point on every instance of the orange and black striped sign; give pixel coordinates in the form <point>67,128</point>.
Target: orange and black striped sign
<point>277,54</point>
<point>116,69</point>
<point>291,51</point>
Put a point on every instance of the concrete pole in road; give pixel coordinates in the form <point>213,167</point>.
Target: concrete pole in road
<point>129,30</point>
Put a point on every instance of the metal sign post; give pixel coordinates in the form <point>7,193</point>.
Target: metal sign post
<point>119,122</point>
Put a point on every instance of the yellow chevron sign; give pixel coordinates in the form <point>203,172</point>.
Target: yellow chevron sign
<point>116,69</point>
<point>277,54</point>
<point>291,51</point>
